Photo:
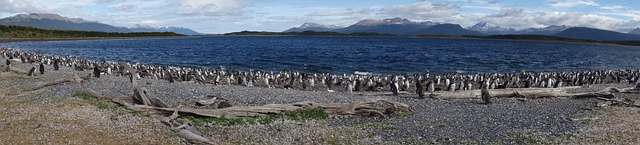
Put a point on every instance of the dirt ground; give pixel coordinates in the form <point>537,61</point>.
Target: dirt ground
<point>29,119</point>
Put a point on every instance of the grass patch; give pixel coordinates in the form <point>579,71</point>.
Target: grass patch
<point>382,125</point>
<point>102,105</point>
<point>298,115</point>
<point>403,114</point>
<point>534,137</point>
<point>413,141</point>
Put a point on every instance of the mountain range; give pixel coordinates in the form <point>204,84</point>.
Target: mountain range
<point>635,31</point>
<point>57,22</point>
<point>490,29</point>
<point>404,27</point>
<point>146,28</point>
<point>394,26</point>
<point>596,34</point>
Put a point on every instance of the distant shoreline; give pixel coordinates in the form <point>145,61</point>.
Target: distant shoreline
<point>9,40</point>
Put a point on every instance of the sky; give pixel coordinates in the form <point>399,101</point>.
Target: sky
<point>223,16</point>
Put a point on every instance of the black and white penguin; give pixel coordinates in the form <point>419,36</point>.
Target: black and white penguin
<point>32,71</point>
<point>394,87</point>
<point>56,64</point>
<point>96,71</point>
<point>41,68</point>
<point>486,96</point>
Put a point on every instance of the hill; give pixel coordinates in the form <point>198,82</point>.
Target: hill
<point>449,30</point>
<point>313,27</point>
<point>179,30</point>
<point>28,32</point>
<point>57,22</point>
<point>596,34</point>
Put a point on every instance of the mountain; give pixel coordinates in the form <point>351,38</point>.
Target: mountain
<point>394,26</point>
<point>178,30</point>
<point>486,28</point>
<point>57,22</point>
<point>636,31</point>
<point>449,30</point>
<point>543,31</point>
<point>313,27</point>
<point>596,34</point>
<point>397,26</point>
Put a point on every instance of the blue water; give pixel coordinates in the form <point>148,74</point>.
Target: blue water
<point>383,55</point>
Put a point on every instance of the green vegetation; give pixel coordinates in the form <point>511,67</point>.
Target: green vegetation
<point>535,137</point>
<point>403,114</point>
<point>102,105</point>
<point>305,33</point>
<point>383,125</point>
<point>413,141</point>
<point>29,32</point>
<point>298,115</point>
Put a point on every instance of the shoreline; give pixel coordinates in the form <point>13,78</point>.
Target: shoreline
<point>9,40</point>
<point>357,82</point>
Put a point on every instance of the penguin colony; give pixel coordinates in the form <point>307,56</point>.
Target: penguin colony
<point>420,84</point>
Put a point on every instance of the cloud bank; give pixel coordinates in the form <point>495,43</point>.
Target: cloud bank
<point>221,16</point>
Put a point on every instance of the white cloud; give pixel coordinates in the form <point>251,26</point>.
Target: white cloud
<point>213,7</point>
<point>11,6</point>
<point>612,7</point>
<point>573,3</point>
<point>520,19</point>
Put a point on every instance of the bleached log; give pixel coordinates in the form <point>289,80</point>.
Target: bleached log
<point>527,93</point>
<point>362,106</point>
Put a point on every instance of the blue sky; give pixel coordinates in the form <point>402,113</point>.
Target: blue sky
<point>222,16</point>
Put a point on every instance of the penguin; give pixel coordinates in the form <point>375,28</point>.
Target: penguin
<point>558,84</point>
<point>420,90</point>
<point>41,68</point>
<point>312,82</point>
<point>452,87</point>
<point>8,62</point>
<point>96,71</point>
<point>431,87</point>
<point>486,96</point>
<point>349,87</point>
<point>394,87</point>
<point>405,85</point>
<point>56,64</point>
<point>358,85</point>
<point>170,78</point>
<point>31,71</point>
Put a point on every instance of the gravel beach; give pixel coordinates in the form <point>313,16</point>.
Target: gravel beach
<point>434,121</point>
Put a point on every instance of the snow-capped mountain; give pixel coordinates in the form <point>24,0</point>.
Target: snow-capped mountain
<point>491,29</point>
<point>544,31</point>
<point>313,27</point>
<point>146,28</point>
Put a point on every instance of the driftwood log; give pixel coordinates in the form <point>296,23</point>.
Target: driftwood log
<point>140,94</point>
<point>530,93</point>
<point>355,108</point>
<point>40,85</point>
